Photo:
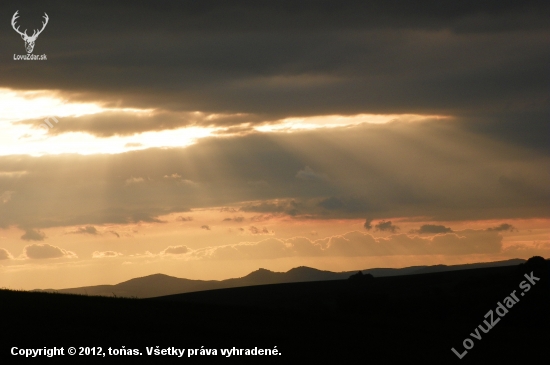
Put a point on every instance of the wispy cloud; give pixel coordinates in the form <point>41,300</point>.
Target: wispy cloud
<point>105,254</point>
<point>386,226</point>
<point>503,228</point>
<point>359,244</point>
<point>91,230</point>
<point>134,180</point>
<point>5,255</point>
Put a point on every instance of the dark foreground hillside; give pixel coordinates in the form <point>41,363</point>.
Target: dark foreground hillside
<point>366,320</point>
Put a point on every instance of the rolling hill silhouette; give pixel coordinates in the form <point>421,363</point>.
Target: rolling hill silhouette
<point>392,319</point>
<point>161,285</point>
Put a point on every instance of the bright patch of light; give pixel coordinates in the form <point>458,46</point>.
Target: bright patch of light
<point>25,139</point>
<point>21,105</point>
<point>333,121</point>
<point>86,144</point>
<point>19,138</point>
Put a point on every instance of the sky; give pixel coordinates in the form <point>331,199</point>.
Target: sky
<point>208,139</point>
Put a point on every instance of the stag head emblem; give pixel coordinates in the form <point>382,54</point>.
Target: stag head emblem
<point>29,41</point>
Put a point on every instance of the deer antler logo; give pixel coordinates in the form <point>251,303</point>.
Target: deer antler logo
<point>29,41</point>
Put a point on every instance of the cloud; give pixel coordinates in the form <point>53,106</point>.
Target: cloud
<point>503,228</point>
<point>354,244</point>
<point>186,182</point>
<point>46,251</point>
<point>262,217</point>
<point>265,249</point>
<point>5,255</point>
<point>523,250</point>
<point>86,230</point>
<point>268,207</point>
<point>385,226</point>
<point>368,224</point>
<point>147,254</point>
<point>236,65</point>
<point>173,176</point>
<point>290,207</point>
<point>133,180</point>
<point>257,231</point>
<point>128,123</point>
<point>228,209</point>
<point>105,254</point>
<point>206,227</point>
<point>238,55</point>
<point>33,235</point>
<point>115,233</point>
<point>235,219</point>
<point>184,219</point>
<point>137,217</point>
<point>123,123</point>
<point>432,229</point>
<point>175,250</point>
<point>309,175</point>
<point>449,178</point>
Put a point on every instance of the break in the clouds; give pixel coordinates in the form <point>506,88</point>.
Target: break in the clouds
<point>46,251</point>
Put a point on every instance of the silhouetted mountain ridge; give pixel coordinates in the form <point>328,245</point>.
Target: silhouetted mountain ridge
<point>157,285</point>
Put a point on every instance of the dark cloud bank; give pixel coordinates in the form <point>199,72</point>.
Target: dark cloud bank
<point>484,62</point>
